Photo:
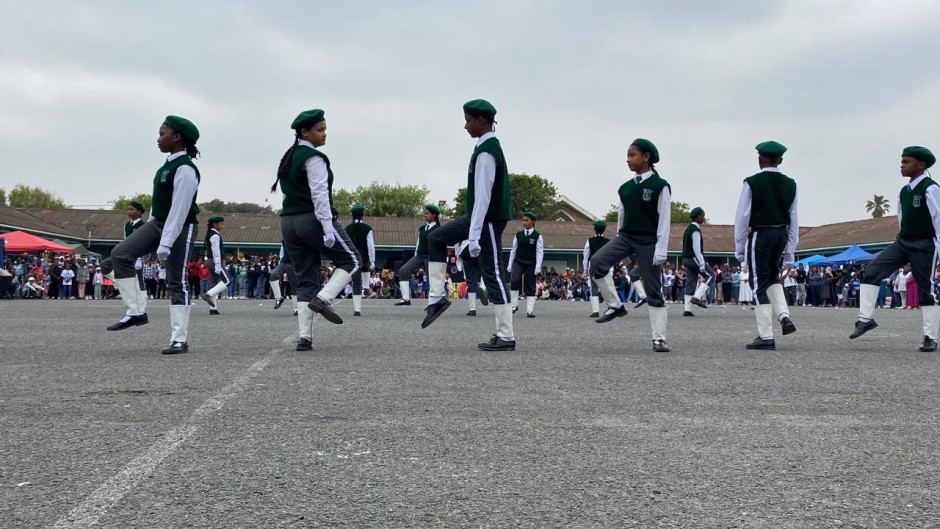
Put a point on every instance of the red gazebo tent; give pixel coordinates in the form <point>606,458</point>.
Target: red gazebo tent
<point>20,241</point>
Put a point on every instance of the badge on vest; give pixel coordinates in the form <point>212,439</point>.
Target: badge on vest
<point>916,201</point>
<point>647,195</point>
<point>164,174</point>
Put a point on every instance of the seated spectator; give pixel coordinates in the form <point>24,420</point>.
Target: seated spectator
<point>31,290</point>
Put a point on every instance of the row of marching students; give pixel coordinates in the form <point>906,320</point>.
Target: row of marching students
<point>766,234</point>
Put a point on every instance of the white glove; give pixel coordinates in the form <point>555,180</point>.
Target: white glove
<point>163,252</point>
<point>372,267</point>
<point>138,265</point>
<point>740,258</point>
<point>329,239</point>
<point>474,248</point>
<point>788,260</point>
<point>218,270</point>
<point>659,258</point>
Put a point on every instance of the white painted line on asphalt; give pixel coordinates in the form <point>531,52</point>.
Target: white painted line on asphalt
<point>88,512</point>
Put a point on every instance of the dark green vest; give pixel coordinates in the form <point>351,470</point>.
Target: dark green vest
<point>209,253</point>
<point>163,189</point>
<point>772,194</point>
<point>916,222</point>
<point>596,243</point>
<point>500,199</point>
<point>640,205</point>
<point>687,249</point>
<point>131,226</point>
<point>526,246</point>
<point>359,233</point>
<point>423,232</point>
<point>295,185</point>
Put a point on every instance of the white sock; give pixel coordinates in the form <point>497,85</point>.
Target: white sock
<point>595,304</point>
<point>437,275</point>
<point>688,303</point>
<point>405,287</point>
<point>336,283</point>
<point>931,316</point>
<point>765,323</point>
<point>778,301</point>
<point>276,289</point>
<point>514,298</point>
<point>504,322</point>
<point>659,316</point>
<point>867,298</point>
<point>357,302</point>
<point>606,286</point>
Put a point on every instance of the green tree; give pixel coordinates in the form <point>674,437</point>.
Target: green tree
<point>383,200</point>
<point>611,215</point>
<point>3,197</point>
<point>121,202</point>
<point>679,211</point>
<point>343,199</point>
<point>23,196</point>
<point>529,193</point>
<point>878,206</point>
<point>221,206</point>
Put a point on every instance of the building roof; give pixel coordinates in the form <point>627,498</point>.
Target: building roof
<point>395,232</point>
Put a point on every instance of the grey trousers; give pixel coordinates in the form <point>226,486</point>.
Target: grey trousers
<point>411,266</point>
<point>492,264</point>
<point>623,246</point>
<point>523,275</point>
<point>145,240</point>
<point>214,278</point>
<point>919,253</point>
<point>284,268</point>
<point>694,274</point>
<point>303,238</point>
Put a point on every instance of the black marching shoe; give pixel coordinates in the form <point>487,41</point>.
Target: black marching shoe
<point>471,313</point>
<point>357,313</point>
<point>208,299</point>
<point>497,344</point>
<point>213,312</point>
<point>403,303</point>
<point>787,325</point>
<point>278,303</point>
<point>612,313</point>
<point>700,303</point>
<point>481,295</point>
<point>434,311</point>
<point>129,321</point>
<point>763,345</point>
<point>640,303</point>
<point>325,309</point>
<point>594,315</point>
<point>304,344</point>
<point>688,313</point>
<point>176,348</point>
<point>861,327</point>
<point>930,345</point>
<point>659,346</point>
<point>529,315</point>
<point>515,309</point>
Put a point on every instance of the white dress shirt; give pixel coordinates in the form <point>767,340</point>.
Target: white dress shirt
<point>742,221</point>
<point>484,175</point>
<point>185,185</point>
<point>539,250</point>
<point>318,180</point>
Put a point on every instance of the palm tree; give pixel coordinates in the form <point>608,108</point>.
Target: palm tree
<point>878,206</point>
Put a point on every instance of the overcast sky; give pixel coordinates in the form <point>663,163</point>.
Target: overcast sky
<point>844,84</point>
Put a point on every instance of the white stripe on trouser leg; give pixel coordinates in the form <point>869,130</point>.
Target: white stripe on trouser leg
<point>405,287</point>
<point>304,320</point>
<point>765,323</point>
<point>514,298</point>
<point>504,321</point>
<point>437,276</point>
<point>276,289</point>
<point>638,285</point>
<point>778,301</point>
<point>658,319</point>
<point>530,304</point>
<point>336,283</point>
<point>183,274</point>
<point>357,302</point>
<point>688,303</point>
<point>352,255</point>
<point>931,315</point>
<point>179,322</point>
<point>606,286</point>
<point>595,304</point>
<point>752,259</point>
<point>496,270</point>
<point>867,298</point>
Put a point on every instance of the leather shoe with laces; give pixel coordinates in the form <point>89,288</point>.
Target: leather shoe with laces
<point>688,313</point>
<point>640,303</point>
<point>304,344</point>
<point>700,303</point>
<point>176,348</point>
<point>787,325</point>
<point>208,299</point>
<point>129,321</point>
<point>497,344</point>
<point>471,313</point>
<point>434,311</point>
<point>403,303</point>
<point>481,295</point>
<point>861,327</point>
<point>929,345</point>
<point>594,315</point>
<point>612,313</point>
<point>324,308</point>
<point>278,302</point>
<point>659,346</point>
<point>762,344</point>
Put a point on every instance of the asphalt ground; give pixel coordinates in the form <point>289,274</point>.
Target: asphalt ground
<point>384,424</point>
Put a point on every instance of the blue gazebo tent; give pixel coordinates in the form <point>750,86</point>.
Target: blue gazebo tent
<point>853,255</point>
<point>811,260</point>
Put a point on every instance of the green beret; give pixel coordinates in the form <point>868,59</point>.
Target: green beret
<point>433,209</point>
<point>307,119</point>
<point>647,146</point>
<point>770,149</point>
<point>217,218</point>
<point>600,225</point>
<point>530,214</point>
<point>696,212</point>
<point>357,208</point>
<point>479,107</point>
<point>136,205</point>
<point>183,126</point>
<point>920,153</point>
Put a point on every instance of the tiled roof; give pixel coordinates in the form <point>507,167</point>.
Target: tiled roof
<point>265,229</point>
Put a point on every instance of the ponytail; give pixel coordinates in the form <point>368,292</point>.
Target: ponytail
<point>192,152</point>
<point>285,160</point>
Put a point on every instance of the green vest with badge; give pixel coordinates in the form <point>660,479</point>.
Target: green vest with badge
<point>208,243</point>
<point>359,234</point>
<point>500,208</point>
<point>163,189</point>
<point>916,222</point>
<point>296,187</point>
<point>772,195</point>
<point>526,246</point>
<point>596,243</point>
<point>132,226</point>
<point>423,232</point>
<point>641,205</point>
<point>687,249</point>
